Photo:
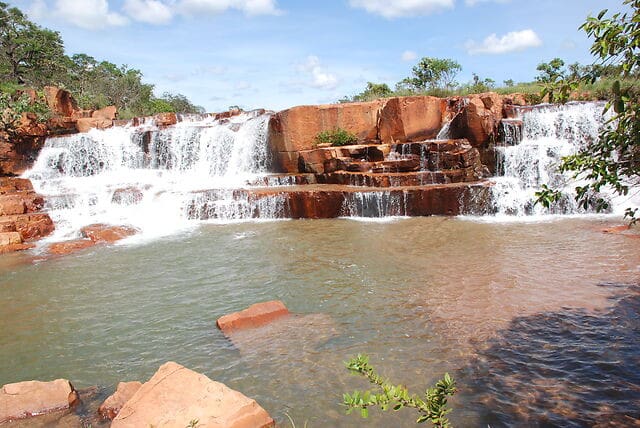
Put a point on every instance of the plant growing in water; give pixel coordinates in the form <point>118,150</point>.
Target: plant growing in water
<point>432,407</point>
<point>336,137</point>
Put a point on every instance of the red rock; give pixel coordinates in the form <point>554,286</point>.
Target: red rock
<point>87,124</point>
<point>175,396</point>
<point>478,119</point>
<point>110,408</point>
<point>31,126</point>
<point>616,229</point>
<point>254,316</point>
<point>69,247</point>
<point>25,399</point>
<point>165,119</point>
<point>105,233</point>
<point>127,196</point>
<point>107,113</point>
<point>12,204</point>
<point>60,101</point>
<point>15,247</point>
<point>33,226</point>
<point>10,238</point>
<point>13,184</point>
<point>411,118</point>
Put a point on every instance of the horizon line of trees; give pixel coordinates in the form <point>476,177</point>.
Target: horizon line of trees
<point>33,57</point>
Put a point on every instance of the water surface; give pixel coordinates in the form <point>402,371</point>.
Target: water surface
<point>538,322</point>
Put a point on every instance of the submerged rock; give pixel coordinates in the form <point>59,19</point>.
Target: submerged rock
<point>105,233</point>
<point>32,398</point>
<point>112,405</point>
<point>69,247</point>
<point>175,396</point>
<point>254,316</point>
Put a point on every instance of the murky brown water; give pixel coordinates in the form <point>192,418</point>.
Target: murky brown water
<point>538,322</point>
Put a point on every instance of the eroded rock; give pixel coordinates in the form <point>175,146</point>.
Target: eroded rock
<point>32,398</point>
<point>175,396</point>
<point>69,247</point>
<point>106,233</point>
<point>254,316</point>
<point>114,403</point>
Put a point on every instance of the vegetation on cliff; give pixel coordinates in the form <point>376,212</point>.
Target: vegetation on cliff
<point>33,57</point>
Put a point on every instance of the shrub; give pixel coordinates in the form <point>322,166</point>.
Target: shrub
<point>336,137</point>
<point>432,407</point>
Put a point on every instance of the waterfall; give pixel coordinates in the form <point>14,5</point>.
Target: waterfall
<point>534,146</point>
<point>149,177</point>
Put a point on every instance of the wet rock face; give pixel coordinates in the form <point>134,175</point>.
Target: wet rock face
<point>105,233</point>
<point>32,398</point>
<point>175,396</point>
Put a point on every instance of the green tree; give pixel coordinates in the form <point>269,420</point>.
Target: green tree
<point>181,104</point>
<point>29,54</point>
<point>432,73</point>
<point>613,160</point>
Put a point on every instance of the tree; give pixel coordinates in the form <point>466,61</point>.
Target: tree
<point>181,104</point>
<point>433,73</point>
<point>29,54</point>
<point>509,83</point>
<point>613,160</point>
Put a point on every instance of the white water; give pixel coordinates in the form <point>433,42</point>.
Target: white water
<point>149,178</point>
<point>548,134</point>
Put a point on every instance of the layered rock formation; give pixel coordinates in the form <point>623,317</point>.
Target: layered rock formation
<point>21,219</point>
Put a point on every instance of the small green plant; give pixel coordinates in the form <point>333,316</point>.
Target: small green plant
<point>193,423</point>
<point>336,137</point>
<point>431,408</point>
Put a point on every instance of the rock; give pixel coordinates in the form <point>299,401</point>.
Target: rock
<point>478,119</point>
<point>112,405</point>
<point>411,118</point>
<point>175,396</point>
<point>254,316</point>
<point>108,113</point>
<point>69,247</point>
<point>105,233</point>
<point>30,126</point>
<point>12,204</point>
<point>165,119</point>
<point>127,196</point>
<point>89,123</point>
<point>26,399</point>
<point>33,226</point>
<point>60,101</point>
<point>10,238</point>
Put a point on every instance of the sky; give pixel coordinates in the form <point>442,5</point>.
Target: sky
<point>276,54</point>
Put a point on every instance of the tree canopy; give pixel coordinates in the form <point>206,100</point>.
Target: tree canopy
<point>32,56</point>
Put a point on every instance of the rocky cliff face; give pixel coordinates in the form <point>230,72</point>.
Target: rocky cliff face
<point>389,121</point>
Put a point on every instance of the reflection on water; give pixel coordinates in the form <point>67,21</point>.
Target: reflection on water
<point>497,305</point>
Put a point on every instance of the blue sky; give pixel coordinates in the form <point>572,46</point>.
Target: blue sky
<point>280,53</point>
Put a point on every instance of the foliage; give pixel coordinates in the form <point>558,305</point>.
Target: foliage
<point>12,108</point>
<point>613,160</point>
<point>373,91</point>
<point>432,407</point>
<point>29,54</point>
<point>555,82</point>
<point>432,73</point>
<point>336,137</point>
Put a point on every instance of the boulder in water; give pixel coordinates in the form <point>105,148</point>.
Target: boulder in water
<point>254,316</point>
<point>32,398</point>
<point>68,247</point>
<point>112,405</point>
<point>105,233</point>
<point>176,396</point>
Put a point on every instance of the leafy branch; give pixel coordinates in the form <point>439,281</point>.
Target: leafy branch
<point>432,407</point>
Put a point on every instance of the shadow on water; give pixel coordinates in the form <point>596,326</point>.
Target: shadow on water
<point>570,368</point>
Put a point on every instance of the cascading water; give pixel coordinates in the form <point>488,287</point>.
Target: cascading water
<point>530,157</point>
<point>150,177</point>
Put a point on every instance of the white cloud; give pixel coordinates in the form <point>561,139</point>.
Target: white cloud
<point>511,42</point>
<point>249,7</point>
<point>409,56</point>
<point>320,77</point>
<point>38,10</point>
<point>91,15</point>
<point>242,86</point>
<point>401,8</point>
<point>474,2</point>
<point>149,11</point>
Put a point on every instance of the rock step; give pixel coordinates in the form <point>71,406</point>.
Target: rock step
<point>331,201</point>
<point>398,179</point>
